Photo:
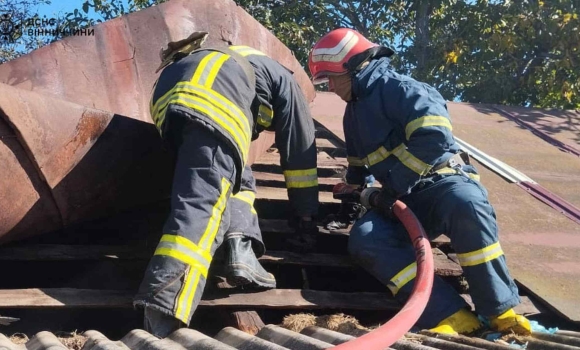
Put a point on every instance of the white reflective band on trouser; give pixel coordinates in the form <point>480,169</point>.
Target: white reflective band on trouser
<point>301,178</point>
<point>480,256</point>
<point>402,278</point>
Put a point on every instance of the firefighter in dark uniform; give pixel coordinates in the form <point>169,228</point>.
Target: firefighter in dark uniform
<point>399,130</point>
<point>208,105</point>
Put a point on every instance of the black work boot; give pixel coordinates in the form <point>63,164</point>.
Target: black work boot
<point>160,324</point>
<point>242,266</point>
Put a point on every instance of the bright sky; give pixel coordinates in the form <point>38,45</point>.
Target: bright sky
<point>59,7</point>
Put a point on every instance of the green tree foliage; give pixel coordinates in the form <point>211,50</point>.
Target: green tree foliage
<point>517,52</point>
<point>506,52</point>
<point>523,52</point>
<point>299,24</point>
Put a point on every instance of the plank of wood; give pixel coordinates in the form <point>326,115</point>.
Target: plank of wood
<point>304,299</point>
<point>276,298</point>
<point>55,252</point>
<point>291,258</point>
<point>64,252</point>
<point>64,298</point>
<point>326,143</point>
<point>281,182</point>
<point>323,160</point>
<point>280,226</point>
<point>246,321</point>
<point>265,193</point>
<point>51,298</point>
<point>443,266</point>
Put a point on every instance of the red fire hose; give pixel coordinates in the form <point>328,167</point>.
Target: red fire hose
<point>390,332</point>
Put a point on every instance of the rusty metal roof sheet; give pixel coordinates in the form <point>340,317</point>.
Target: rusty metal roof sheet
<point>75,131</point>
<point>114,70</point>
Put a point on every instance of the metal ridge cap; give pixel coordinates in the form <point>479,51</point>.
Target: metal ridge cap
<point>504,170</point>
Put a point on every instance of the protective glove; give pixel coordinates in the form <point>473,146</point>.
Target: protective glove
<point>350,207</point>
<point>382,200</point>
<point>347,214</point>
<point>304,238</point>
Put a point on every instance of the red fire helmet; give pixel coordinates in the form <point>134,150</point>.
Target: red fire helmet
<point>332,51</point>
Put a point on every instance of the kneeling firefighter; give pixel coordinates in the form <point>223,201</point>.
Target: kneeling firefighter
<point>399,130</point>
<point>208,105</point>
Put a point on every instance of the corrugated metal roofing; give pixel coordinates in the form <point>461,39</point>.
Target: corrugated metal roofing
<point>272,337</point>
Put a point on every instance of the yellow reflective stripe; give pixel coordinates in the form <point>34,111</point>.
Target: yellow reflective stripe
<point>475,177</point>
<point>201,68</point>
<point>355,161</point>
<point>377,156</point>
<point>480,256</point>
<point>410,161</point>
<point>185,300</point>
<point>159,116</point>
<point>402,278</point>
<point>429,120</point>
<point>186,259</point>
<point>214,70</point>
<point>446,171</point>
<point>186,251</point>
<point>247,197</point>
<point>221,110</point>
<point>211,95</point>
<point>265,116</point>
<point>218,102</point>
<point>246,50</point>
<point>301,178</point>
<point>151,104</point>
<point>217,115</point>
<point>216,217</point>
<point>174,241</point>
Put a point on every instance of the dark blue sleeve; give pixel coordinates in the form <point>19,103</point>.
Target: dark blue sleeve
<point>422,113</point>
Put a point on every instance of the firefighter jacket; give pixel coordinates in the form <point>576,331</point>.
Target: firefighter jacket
<point>282,108</point>
<point>211,87</point>
<point>395,127</point>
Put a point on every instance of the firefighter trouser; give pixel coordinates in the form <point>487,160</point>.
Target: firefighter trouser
<point>243,216</point>
<point>458,207</point>
<point>199,217</point>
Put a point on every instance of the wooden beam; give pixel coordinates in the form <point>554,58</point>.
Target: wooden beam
<point>304,299</point>
<point>443,266</point>
<point>58,298</point>
<point>280,226</point>
<point>279,180</point>
<point>64,252</point>
<point>56,252</point>
<point>276,298</point>
<point>265,193</point>
<point>64,298</point>
<point>324,160</point>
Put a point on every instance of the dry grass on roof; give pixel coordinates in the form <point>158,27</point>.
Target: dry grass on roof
<point>338,322</point>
